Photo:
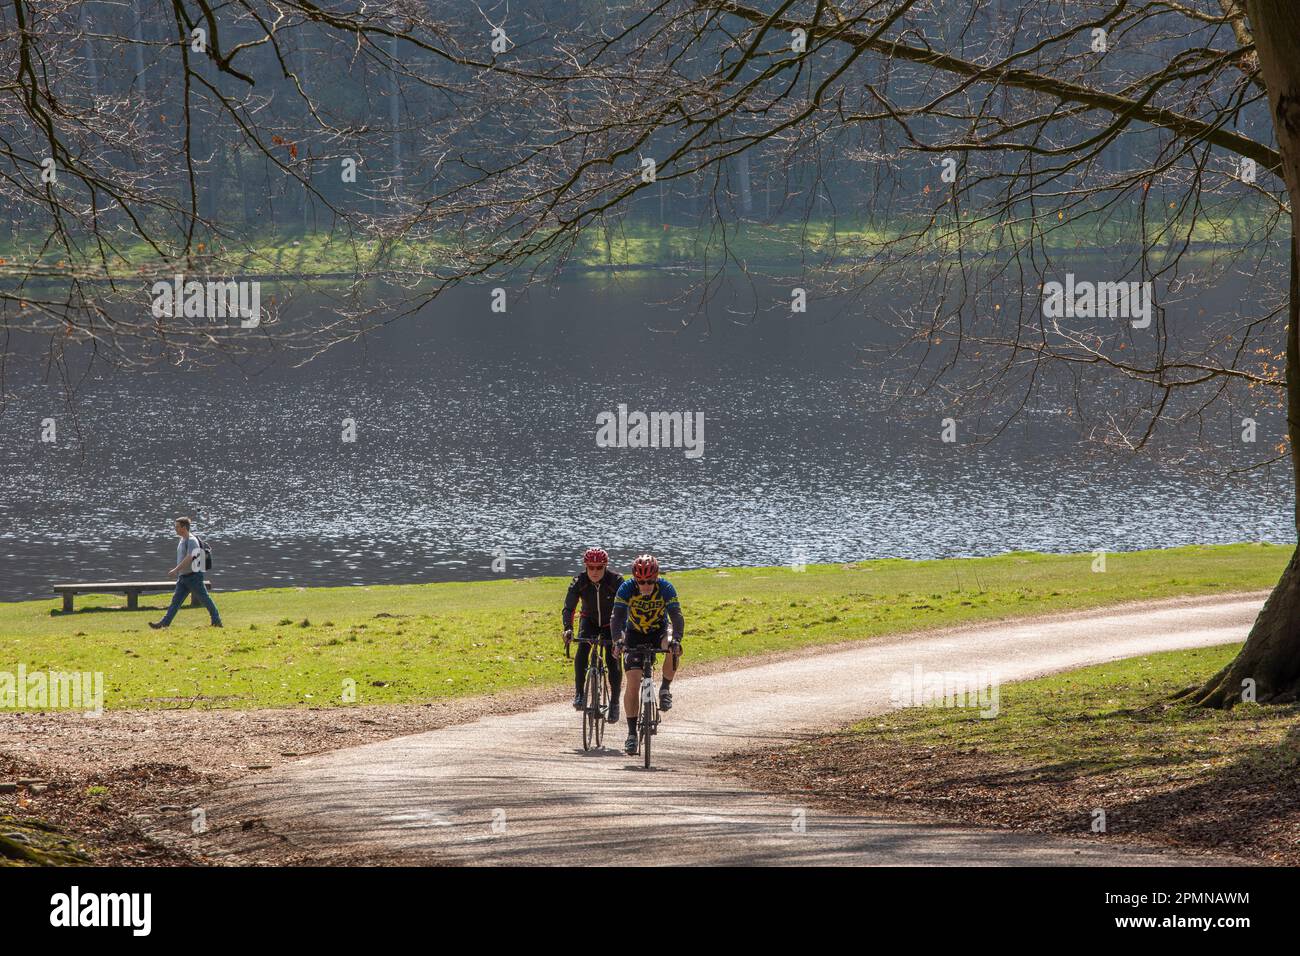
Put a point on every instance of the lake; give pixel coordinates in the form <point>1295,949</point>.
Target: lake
<point>476,455</point>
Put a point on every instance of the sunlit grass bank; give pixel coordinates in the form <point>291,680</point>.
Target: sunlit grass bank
<point>638,243</point>
<point>406,643</point>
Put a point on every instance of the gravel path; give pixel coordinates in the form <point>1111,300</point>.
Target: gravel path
<point>517,789</point>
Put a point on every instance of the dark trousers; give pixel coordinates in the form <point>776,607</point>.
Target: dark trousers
<point>583,656</point>
<point>186,585</point>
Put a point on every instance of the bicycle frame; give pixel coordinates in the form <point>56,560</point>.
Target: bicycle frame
<point>648,724</point>
<point>598,692</point>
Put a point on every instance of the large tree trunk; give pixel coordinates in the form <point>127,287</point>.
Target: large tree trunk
<point>1269,663</point>
<point>1268,667</point>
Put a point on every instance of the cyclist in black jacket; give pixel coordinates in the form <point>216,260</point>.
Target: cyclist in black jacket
<point>595,589</point>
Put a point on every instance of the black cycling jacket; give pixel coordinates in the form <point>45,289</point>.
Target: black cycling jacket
<point>597,600</point>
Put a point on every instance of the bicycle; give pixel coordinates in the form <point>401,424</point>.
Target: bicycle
<point>648,724</point>
<point>593,715</point>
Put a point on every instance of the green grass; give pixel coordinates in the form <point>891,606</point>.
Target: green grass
<point>1112,720</point>
<point>407,643</point>
<point>637,243</point>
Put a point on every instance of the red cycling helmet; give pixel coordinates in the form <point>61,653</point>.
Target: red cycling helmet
<point>645,568</point>
<point>595,556</point>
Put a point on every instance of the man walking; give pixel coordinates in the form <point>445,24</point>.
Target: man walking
<point>189,568</point>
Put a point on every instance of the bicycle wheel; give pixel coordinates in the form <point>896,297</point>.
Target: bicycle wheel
<point>647,716</point>
<point>596,704</point>
<point>602,714</point>
<point>589,714</point>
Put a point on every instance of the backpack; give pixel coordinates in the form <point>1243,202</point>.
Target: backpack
<point>207,553</point>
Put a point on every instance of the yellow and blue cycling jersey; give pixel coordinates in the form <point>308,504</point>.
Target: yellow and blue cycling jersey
<point>647,613</point>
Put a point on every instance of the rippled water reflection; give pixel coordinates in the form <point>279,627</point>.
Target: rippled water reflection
<point>476,433</point>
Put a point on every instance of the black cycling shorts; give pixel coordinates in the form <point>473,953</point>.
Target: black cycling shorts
<point>636,645</point>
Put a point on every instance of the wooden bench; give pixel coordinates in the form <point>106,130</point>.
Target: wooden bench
<point>132,590</point>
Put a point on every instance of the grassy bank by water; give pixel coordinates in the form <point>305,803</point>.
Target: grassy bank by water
<point>408,643</point>
<point>642,244</point>
<point>1063,750</point>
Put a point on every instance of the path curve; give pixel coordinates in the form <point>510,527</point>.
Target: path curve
<point>517,789</point>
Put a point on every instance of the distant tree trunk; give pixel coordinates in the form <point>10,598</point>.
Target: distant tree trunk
<point>137,31</point>
<point>92,62</point>
<point>139,85</point>
<point>742,177</point>
<point>395,119</point>
<point>1271,656</point>
<point>245,191</point>
<point>304,194</point>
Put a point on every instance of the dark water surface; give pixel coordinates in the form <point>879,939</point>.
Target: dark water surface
<point>476,438</point>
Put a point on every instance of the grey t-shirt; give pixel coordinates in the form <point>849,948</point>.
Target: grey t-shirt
<point>185,547</point>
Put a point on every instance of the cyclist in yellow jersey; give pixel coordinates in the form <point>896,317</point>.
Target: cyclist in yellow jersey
<point>643,609</point>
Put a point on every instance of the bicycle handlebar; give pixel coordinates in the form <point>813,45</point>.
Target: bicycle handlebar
<point>585,640</point>
<point>654,649</point>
